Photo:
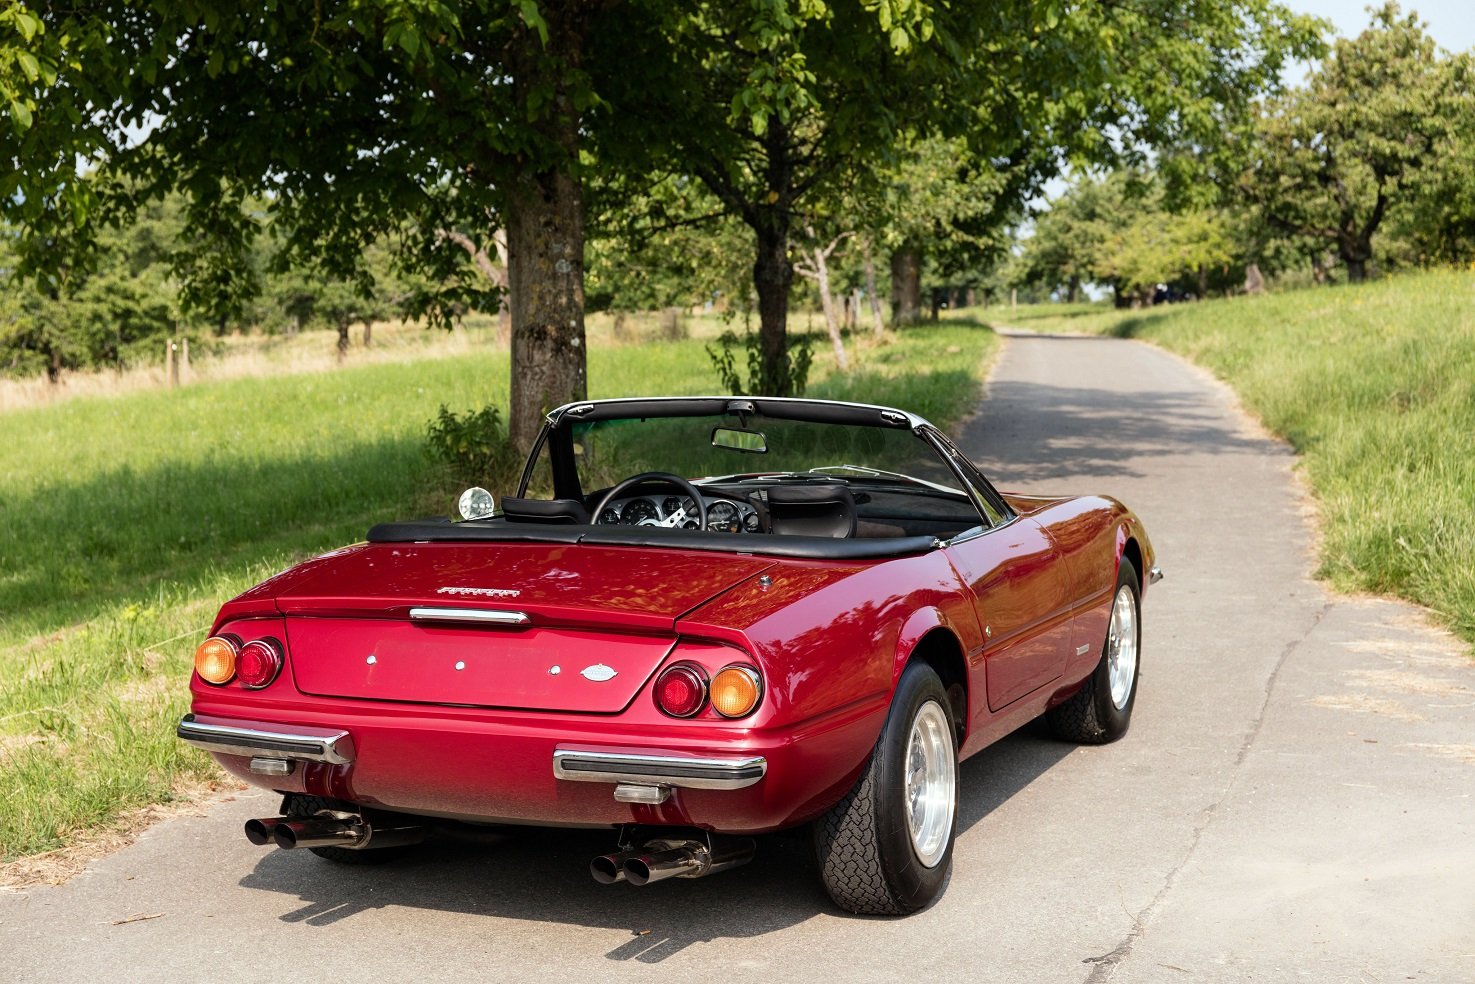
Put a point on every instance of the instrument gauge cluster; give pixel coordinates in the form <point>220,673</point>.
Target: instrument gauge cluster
<point>723,515</point>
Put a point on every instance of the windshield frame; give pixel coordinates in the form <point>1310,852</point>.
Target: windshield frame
<point>556,438</point>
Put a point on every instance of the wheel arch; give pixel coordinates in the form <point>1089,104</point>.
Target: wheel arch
<point>1132,550</point>
<point>936,644</point>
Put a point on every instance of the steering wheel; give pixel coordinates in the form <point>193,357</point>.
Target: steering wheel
<point>669,479</point>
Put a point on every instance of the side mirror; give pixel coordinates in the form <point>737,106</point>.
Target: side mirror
<point>752,442</point>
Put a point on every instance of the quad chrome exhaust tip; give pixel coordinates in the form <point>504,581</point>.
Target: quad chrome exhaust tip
<point>664,858</point>
<point>352,831</point>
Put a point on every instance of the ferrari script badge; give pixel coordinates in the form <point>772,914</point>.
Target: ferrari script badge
<point>598,673</point>
<point>480,592</point>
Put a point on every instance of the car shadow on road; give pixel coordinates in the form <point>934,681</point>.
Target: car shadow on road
<point>541,875</point>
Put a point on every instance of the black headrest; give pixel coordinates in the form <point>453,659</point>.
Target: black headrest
<point>812,510</point>
<point>564,512</point>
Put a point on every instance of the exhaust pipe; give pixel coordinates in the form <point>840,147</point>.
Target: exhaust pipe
<point>353,832</point>
<point>318,832</point>
<point>663,859</point>
<point>259,831</point>
<point>609,869</point>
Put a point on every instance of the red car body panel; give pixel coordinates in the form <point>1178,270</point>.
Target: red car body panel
<point>1024,606</point>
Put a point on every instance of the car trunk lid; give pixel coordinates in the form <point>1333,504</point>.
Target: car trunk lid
<point>535,626</point>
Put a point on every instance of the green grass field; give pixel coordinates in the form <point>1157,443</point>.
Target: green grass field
<point>129,519</point>
<point>1374,385</point>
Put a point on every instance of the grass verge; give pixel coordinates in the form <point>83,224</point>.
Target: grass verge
<point>1374,386</point>
<point>130,518</point>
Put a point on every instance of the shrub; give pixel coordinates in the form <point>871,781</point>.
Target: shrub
<point>473,447</point>
<point>801,356</point>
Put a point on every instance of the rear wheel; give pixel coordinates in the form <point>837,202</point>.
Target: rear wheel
<point>299,805</point>
<point>887,846</point>
<point>1102,709</point>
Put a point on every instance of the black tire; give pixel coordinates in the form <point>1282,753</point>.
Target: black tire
<point>1090,716</point>
<point>863,844</point>
<point>299,805</point>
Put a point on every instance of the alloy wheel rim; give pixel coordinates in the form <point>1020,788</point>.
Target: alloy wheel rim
<point>931,780</point>
<point>1121,647</point>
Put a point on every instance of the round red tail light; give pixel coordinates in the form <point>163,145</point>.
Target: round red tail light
<point>259,663</point>
<point>681,690</point>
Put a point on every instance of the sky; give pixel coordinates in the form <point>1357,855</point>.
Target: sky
<point>1450,22</point>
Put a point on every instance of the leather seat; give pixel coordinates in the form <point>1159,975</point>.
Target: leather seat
<point>812,510</point>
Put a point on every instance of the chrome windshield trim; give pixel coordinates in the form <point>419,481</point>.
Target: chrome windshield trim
<point>335,747</point>
<point>478,615</point>
<point>658,769</point>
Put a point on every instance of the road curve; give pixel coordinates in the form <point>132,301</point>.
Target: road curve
<point>1293,802</point>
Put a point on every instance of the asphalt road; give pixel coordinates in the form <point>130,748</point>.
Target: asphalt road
<point>1293,802</point>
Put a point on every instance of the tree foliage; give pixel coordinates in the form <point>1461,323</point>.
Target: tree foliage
<point>1331,158</point>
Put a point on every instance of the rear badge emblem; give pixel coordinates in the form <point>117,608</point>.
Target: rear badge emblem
<point>479,592</point>
<point>598,673</point>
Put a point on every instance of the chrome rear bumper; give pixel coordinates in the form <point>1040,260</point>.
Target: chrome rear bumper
<point>267,740</point>
<point>658,770</point>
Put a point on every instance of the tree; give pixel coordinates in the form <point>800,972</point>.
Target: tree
<point>773,105</point>
<point>1331,158</point>
<point>1069,241</point>
<point>352,122</point>
<point>1438,219</point>
<point>114,312</point>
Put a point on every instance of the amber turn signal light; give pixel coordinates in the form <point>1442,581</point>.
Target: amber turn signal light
<point>215,660</point>
<point>736,690</point>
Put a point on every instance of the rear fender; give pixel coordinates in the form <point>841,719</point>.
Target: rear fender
<point>922,629</point>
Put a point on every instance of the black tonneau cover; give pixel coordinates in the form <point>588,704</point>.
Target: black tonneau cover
<point>767,544</point>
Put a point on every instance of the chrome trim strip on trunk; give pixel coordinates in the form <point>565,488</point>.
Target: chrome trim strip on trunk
<point>335,748</point>
<point>481,616</point>
<point>653,769</point>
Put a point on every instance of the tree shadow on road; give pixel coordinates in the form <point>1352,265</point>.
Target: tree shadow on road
<point>541,875</point>
<point>1030,432</point>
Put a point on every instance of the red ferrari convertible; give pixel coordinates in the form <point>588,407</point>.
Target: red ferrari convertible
<point>815,633</point>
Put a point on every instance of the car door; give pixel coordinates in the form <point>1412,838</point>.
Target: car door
<point>1020,589</point>
<point>1022,597</point>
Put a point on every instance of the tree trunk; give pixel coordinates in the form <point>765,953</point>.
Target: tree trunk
<point>545,249</point>
<point>869,260</point>
<point>773,275</point>
<point>832,323</point>
<point>935,303</point>
<point>1356,269</point>
<point>368,333</point>
<point>622,326</point>
<point>343,326</point>
<point>906,285</point>
<point>1254,279</point>
<point>1072,289</point>
<point>673,325</point>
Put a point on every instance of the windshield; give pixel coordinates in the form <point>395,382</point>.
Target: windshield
<point>606,451</point>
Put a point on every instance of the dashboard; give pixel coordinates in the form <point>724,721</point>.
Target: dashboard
<point>723,515</point>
